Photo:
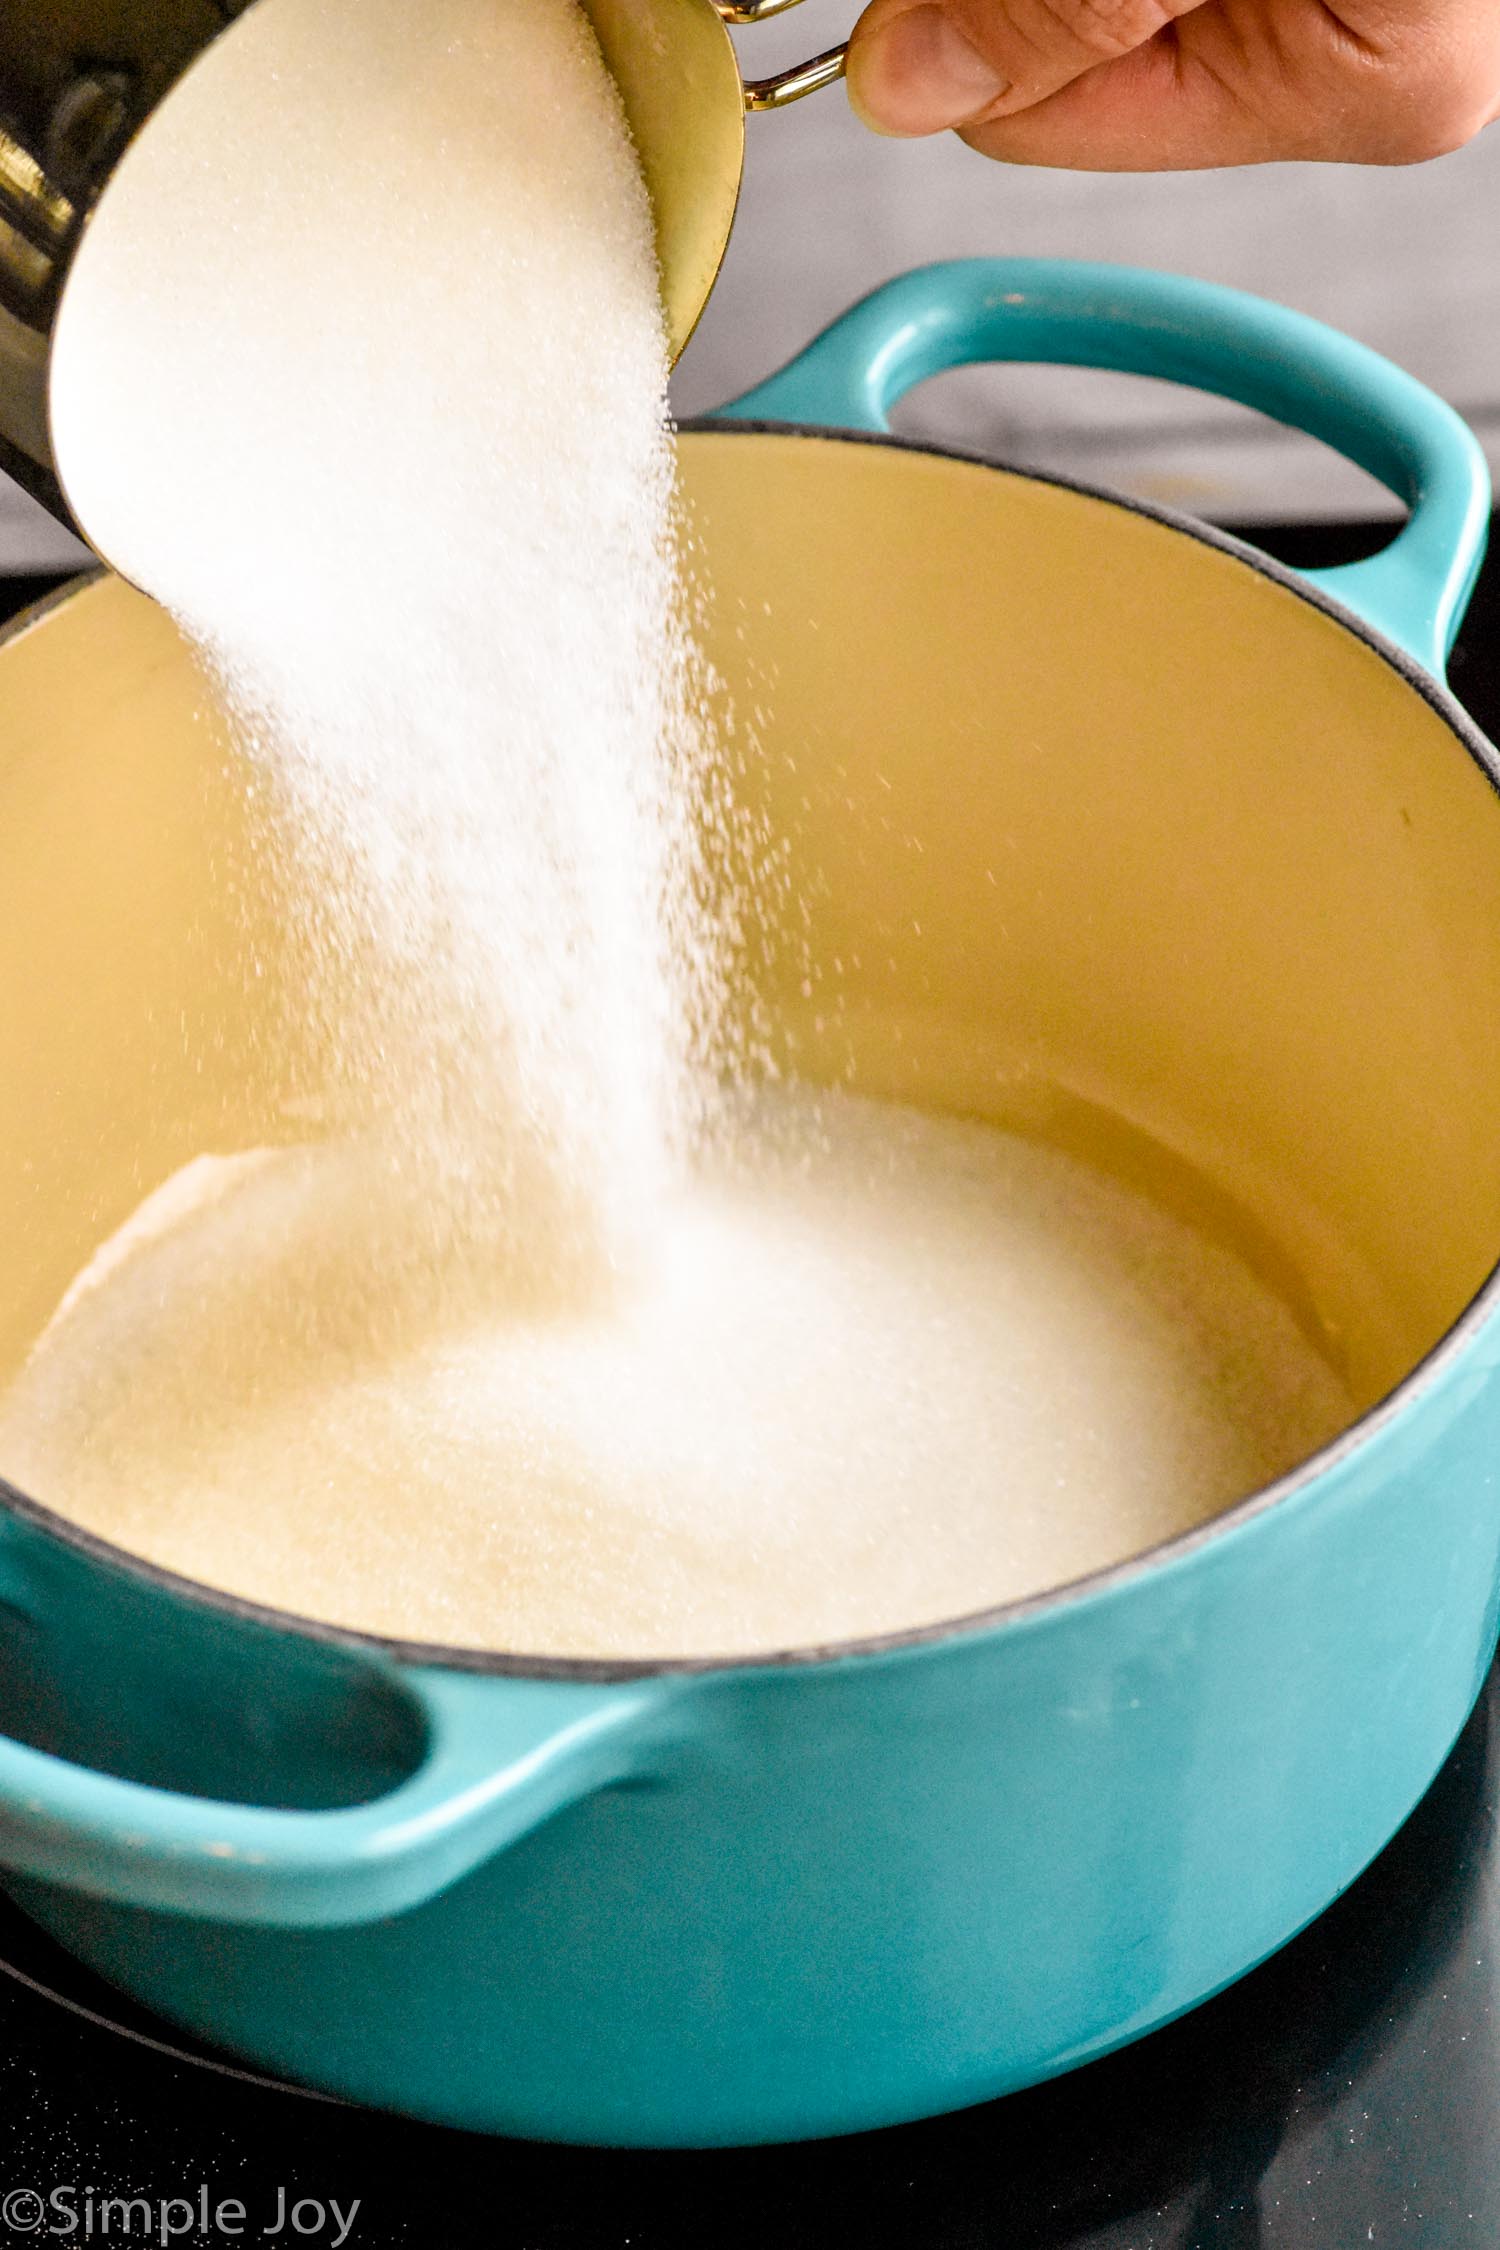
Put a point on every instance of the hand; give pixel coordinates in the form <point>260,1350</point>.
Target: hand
<point>1178,85</point>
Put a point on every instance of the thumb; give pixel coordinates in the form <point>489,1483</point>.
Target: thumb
<point>919,66</point>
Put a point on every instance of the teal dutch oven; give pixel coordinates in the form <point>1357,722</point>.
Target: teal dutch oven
<point>1104,813</point>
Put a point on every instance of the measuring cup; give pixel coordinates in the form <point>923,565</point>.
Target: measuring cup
<point>79,79</point>
<point>679,79</point>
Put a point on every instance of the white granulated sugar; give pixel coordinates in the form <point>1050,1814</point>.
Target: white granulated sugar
<point>920,1368</point>
<point>362,374</point>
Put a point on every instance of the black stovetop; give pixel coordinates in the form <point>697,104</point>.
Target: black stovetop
<point>1347,2093</point>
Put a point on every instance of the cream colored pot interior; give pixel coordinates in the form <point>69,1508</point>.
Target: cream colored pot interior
<point>1083,826</point>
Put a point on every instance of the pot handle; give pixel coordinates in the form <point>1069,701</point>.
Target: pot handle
<point>496,1765</point>
<point>1137,322</point>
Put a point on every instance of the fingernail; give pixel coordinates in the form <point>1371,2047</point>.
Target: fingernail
<point>919,74</point>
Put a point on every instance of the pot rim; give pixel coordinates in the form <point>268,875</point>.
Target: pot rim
<point>1114,1577</point>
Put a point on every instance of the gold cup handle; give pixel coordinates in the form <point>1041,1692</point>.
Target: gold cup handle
<point>786,85</point>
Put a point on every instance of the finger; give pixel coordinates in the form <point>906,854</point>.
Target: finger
<point>919,66</point>
<point>1153,111</point>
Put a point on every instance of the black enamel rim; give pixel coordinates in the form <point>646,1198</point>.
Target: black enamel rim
<point>599,1671</point>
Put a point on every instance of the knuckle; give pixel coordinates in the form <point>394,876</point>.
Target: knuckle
<point>1412,102</point>
<point>1106,29</point>
<point>1417,131</point>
